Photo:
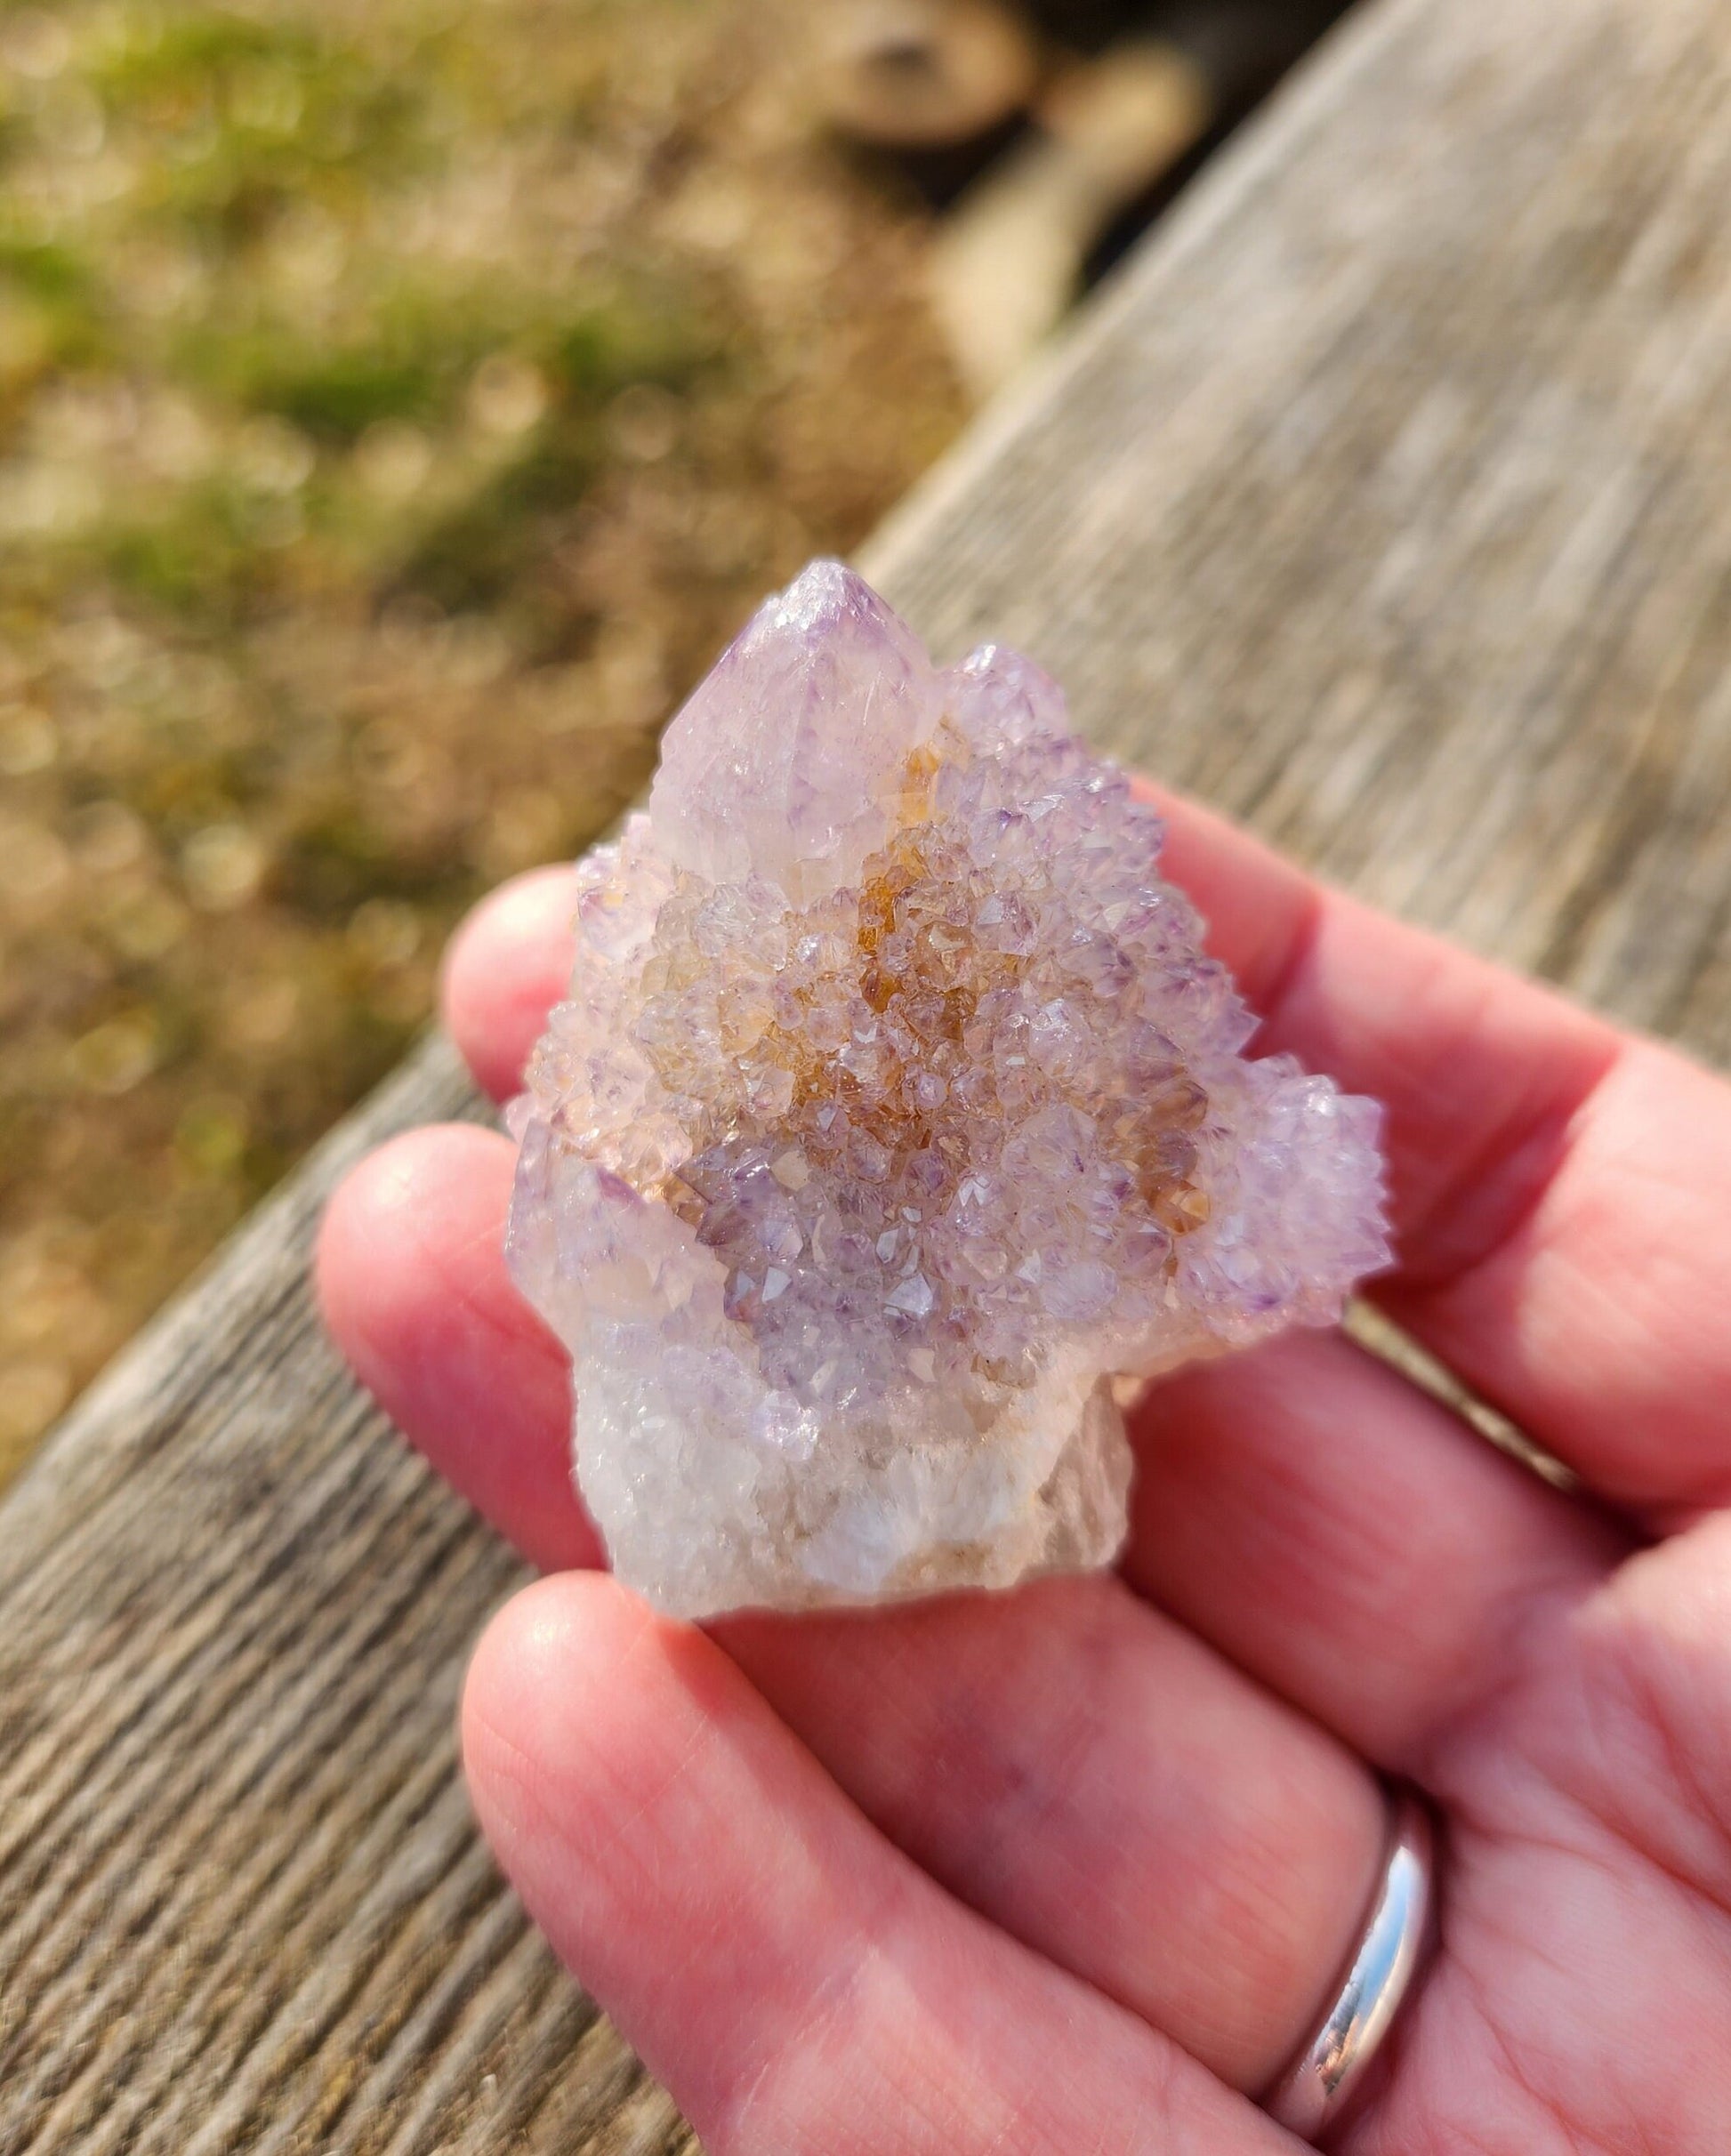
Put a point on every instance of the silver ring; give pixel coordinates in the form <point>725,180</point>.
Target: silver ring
<point>1316,2088</point>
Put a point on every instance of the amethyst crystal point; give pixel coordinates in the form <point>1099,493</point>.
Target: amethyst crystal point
<point>894,1115</point>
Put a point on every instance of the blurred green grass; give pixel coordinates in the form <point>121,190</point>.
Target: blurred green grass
<point>399,403</point>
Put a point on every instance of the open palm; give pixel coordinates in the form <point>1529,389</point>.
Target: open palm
<point>1073,1869</point>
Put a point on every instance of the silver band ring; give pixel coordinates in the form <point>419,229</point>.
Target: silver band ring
<point>1316,2088</point>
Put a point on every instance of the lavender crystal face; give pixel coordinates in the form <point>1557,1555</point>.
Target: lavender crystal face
<point>894,1123</point>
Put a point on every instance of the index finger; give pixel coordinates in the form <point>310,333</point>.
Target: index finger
<point>508,964</point>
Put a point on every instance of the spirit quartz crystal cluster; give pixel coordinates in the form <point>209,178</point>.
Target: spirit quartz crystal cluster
<point>895,1123</point>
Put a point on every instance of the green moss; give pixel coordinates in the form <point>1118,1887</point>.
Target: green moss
<point>651,334</point>
<point>51,315</point>
<point>199,559</point>
<point>247,117</point>
<point>481,554</point>
<point>336,395</point>
<point>44,270</point>
<point>166,51</point>
<point>476,556</point>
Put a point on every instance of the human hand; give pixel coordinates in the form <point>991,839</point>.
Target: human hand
<point>1076,1867</point>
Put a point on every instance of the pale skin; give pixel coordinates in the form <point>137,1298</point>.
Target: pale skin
<point>1073,1870</point>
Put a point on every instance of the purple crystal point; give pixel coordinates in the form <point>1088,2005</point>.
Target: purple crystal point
<point>789,759</point>
<point>894,1118</point>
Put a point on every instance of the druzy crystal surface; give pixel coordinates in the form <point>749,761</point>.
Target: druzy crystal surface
<point>896,1123</point>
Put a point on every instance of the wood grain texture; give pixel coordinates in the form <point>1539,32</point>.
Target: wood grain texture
<point>1384,502</point>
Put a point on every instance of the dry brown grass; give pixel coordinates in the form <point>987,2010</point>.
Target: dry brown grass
<point>399,403</point>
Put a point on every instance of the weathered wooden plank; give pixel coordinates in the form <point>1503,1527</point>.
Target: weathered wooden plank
<point>1386,505</point>
<point>1382,502</point>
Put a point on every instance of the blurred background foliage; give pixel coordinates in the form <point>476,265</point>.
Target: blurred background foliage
<point>399,405</point>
